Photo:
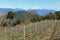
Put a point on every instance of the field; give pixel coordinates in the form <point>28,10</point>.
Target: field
<point>44,30</point>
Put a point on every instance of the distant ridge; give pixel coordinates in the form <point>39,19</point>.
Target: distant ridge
<point>41,12</point>
<point>5,10</point>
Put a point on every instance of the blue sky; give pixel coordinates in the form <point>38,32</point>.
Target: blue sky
<point>33,4</point>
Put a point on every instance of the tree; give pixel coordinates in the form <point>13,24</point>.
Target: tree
<point>11,15</point>
<point>57,14</point>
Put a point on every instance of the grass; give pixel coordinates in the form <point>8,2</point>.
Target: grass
<point>33,31</point>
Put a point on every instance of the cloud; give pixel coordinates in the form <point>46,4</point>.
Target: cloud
<point>36,7</point>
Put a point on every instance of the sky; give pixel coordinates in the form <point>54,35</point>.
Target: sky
<point>31,4</point>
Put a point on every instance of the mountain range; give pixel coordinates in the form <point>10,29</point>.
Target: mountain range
<point>41,12</point>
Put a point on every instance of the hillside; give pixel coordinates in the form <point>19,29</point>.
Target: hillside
<point>24,25</point>
<point>33,31</point>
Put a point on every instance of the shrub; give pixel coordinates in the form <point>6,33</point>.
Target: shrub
<point>14,24</point>
<point>18,21</point>
<point>57,39</point>
<point>35,20</point>
<point>39,19</point>
<point>4,24</point>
